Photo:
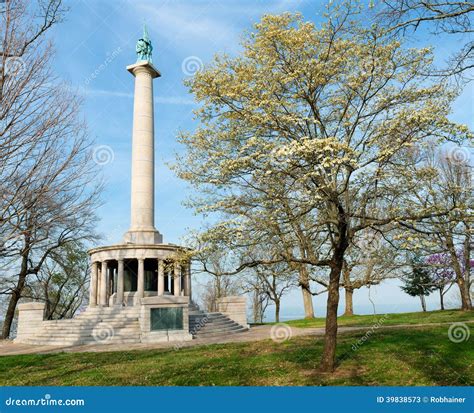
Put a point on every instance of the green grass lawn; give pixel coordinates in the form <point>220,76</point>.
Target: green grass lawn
<point>390,319</point>
<point>415,356</point>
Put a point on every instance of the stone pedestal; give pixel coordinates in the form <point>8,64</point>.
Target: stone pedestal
<point>169,301</point>
<point>30,320</point>
<point>234,307</point>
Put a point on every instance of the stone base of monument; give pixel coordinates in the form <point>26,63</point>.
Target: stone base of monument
<point>143,237</point>
<point>156,319</point>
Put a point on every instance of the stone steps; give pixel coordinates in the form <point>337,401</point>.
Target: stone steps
<point>79,342</point>
<point>221,331</point>
<point>89,330</point>
<point>212,325</point>
<point>104,320</point>
<point>92,318</point>
<point>94,326</point>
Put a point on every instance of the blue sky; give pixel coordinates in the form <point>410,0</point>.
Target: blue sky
<point>97,41</point>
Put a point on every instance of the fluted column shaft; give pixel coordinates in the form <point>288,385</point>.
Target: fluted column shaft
<point>141,278</point>
<point>177,279</point>
<point>161,278</point>
<point>142,207</point>
<point>188,278</point>
<point>187,281</point>
<point>103,284</point>
<point>120,282</point>
<point>93,287</point>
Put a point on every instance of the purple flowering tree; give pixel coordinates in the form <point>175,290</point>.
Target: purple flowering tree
<point>442,273</point>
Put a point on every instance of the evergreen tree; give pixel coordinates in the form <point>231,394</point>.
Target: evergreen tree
<point>418,282</point>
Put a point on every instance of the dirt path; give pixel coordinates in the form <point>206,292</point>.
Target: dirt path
<point>256,333</point>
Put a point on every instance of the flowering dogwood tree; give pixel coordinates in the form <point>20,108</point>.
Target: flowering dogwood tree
<point>302,141</point>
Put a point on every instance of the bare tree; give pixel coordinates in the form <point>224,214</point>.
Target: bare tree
<point>46,164</point>
<point>438,17</point>
<point>260,303</point>
<point>370,260</point>
<point>451,188</point>
<point>214,263</point>
<point>62,282</point>
<point>34,108</point>
<point>274,281</point>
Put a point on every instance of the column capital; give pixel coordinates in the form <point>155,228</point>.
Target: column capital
<point>144,67</point>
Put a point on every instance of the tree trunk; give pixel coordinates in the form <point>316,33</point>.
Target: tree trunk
<point>277,311</point>
<point>466,303</point>
<point>441,299</point>
<point>15,297</point>
<point>349,310</point>
<point>257,307</point>
<point>467,294</point>
<point>306,292</point>
<point>328,359</point>
<point>467,267</point>
<point>348,288</point>
<point>423,302</point>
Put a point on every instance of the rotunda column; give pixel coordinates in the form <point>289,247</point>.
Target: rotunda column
<point>103,284</point>
<point>93,287</point>
<point>161,278</point>
<point>141,279</point>
<point>177,279</point>
<point>188,278</point>
<point>120,282</point>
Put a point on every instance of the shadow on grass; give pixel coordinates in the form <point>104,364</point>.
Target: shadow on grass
<point>422,356</point>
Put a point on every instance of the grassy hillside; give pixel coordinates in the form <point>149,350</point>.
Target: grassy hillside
<point>415,356</point>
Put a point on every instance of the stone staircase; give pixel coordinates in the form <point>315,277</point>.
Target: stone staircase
<point>211,325</point>
<point>96,325</point>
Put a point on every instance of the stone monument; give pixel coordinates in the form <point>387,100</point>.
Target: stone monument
<point>140,289</point>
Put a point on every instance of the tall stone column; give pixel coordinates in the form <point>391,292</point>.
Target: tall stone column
<point>140,279</point>
<point>120,282</point>
<point>188,271</point>
<point>103,284</point>
<point>142,229</point>
<point>161,278</point>
<point>187,281</point>
<point>177,279</point>
<point>93,288</point>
